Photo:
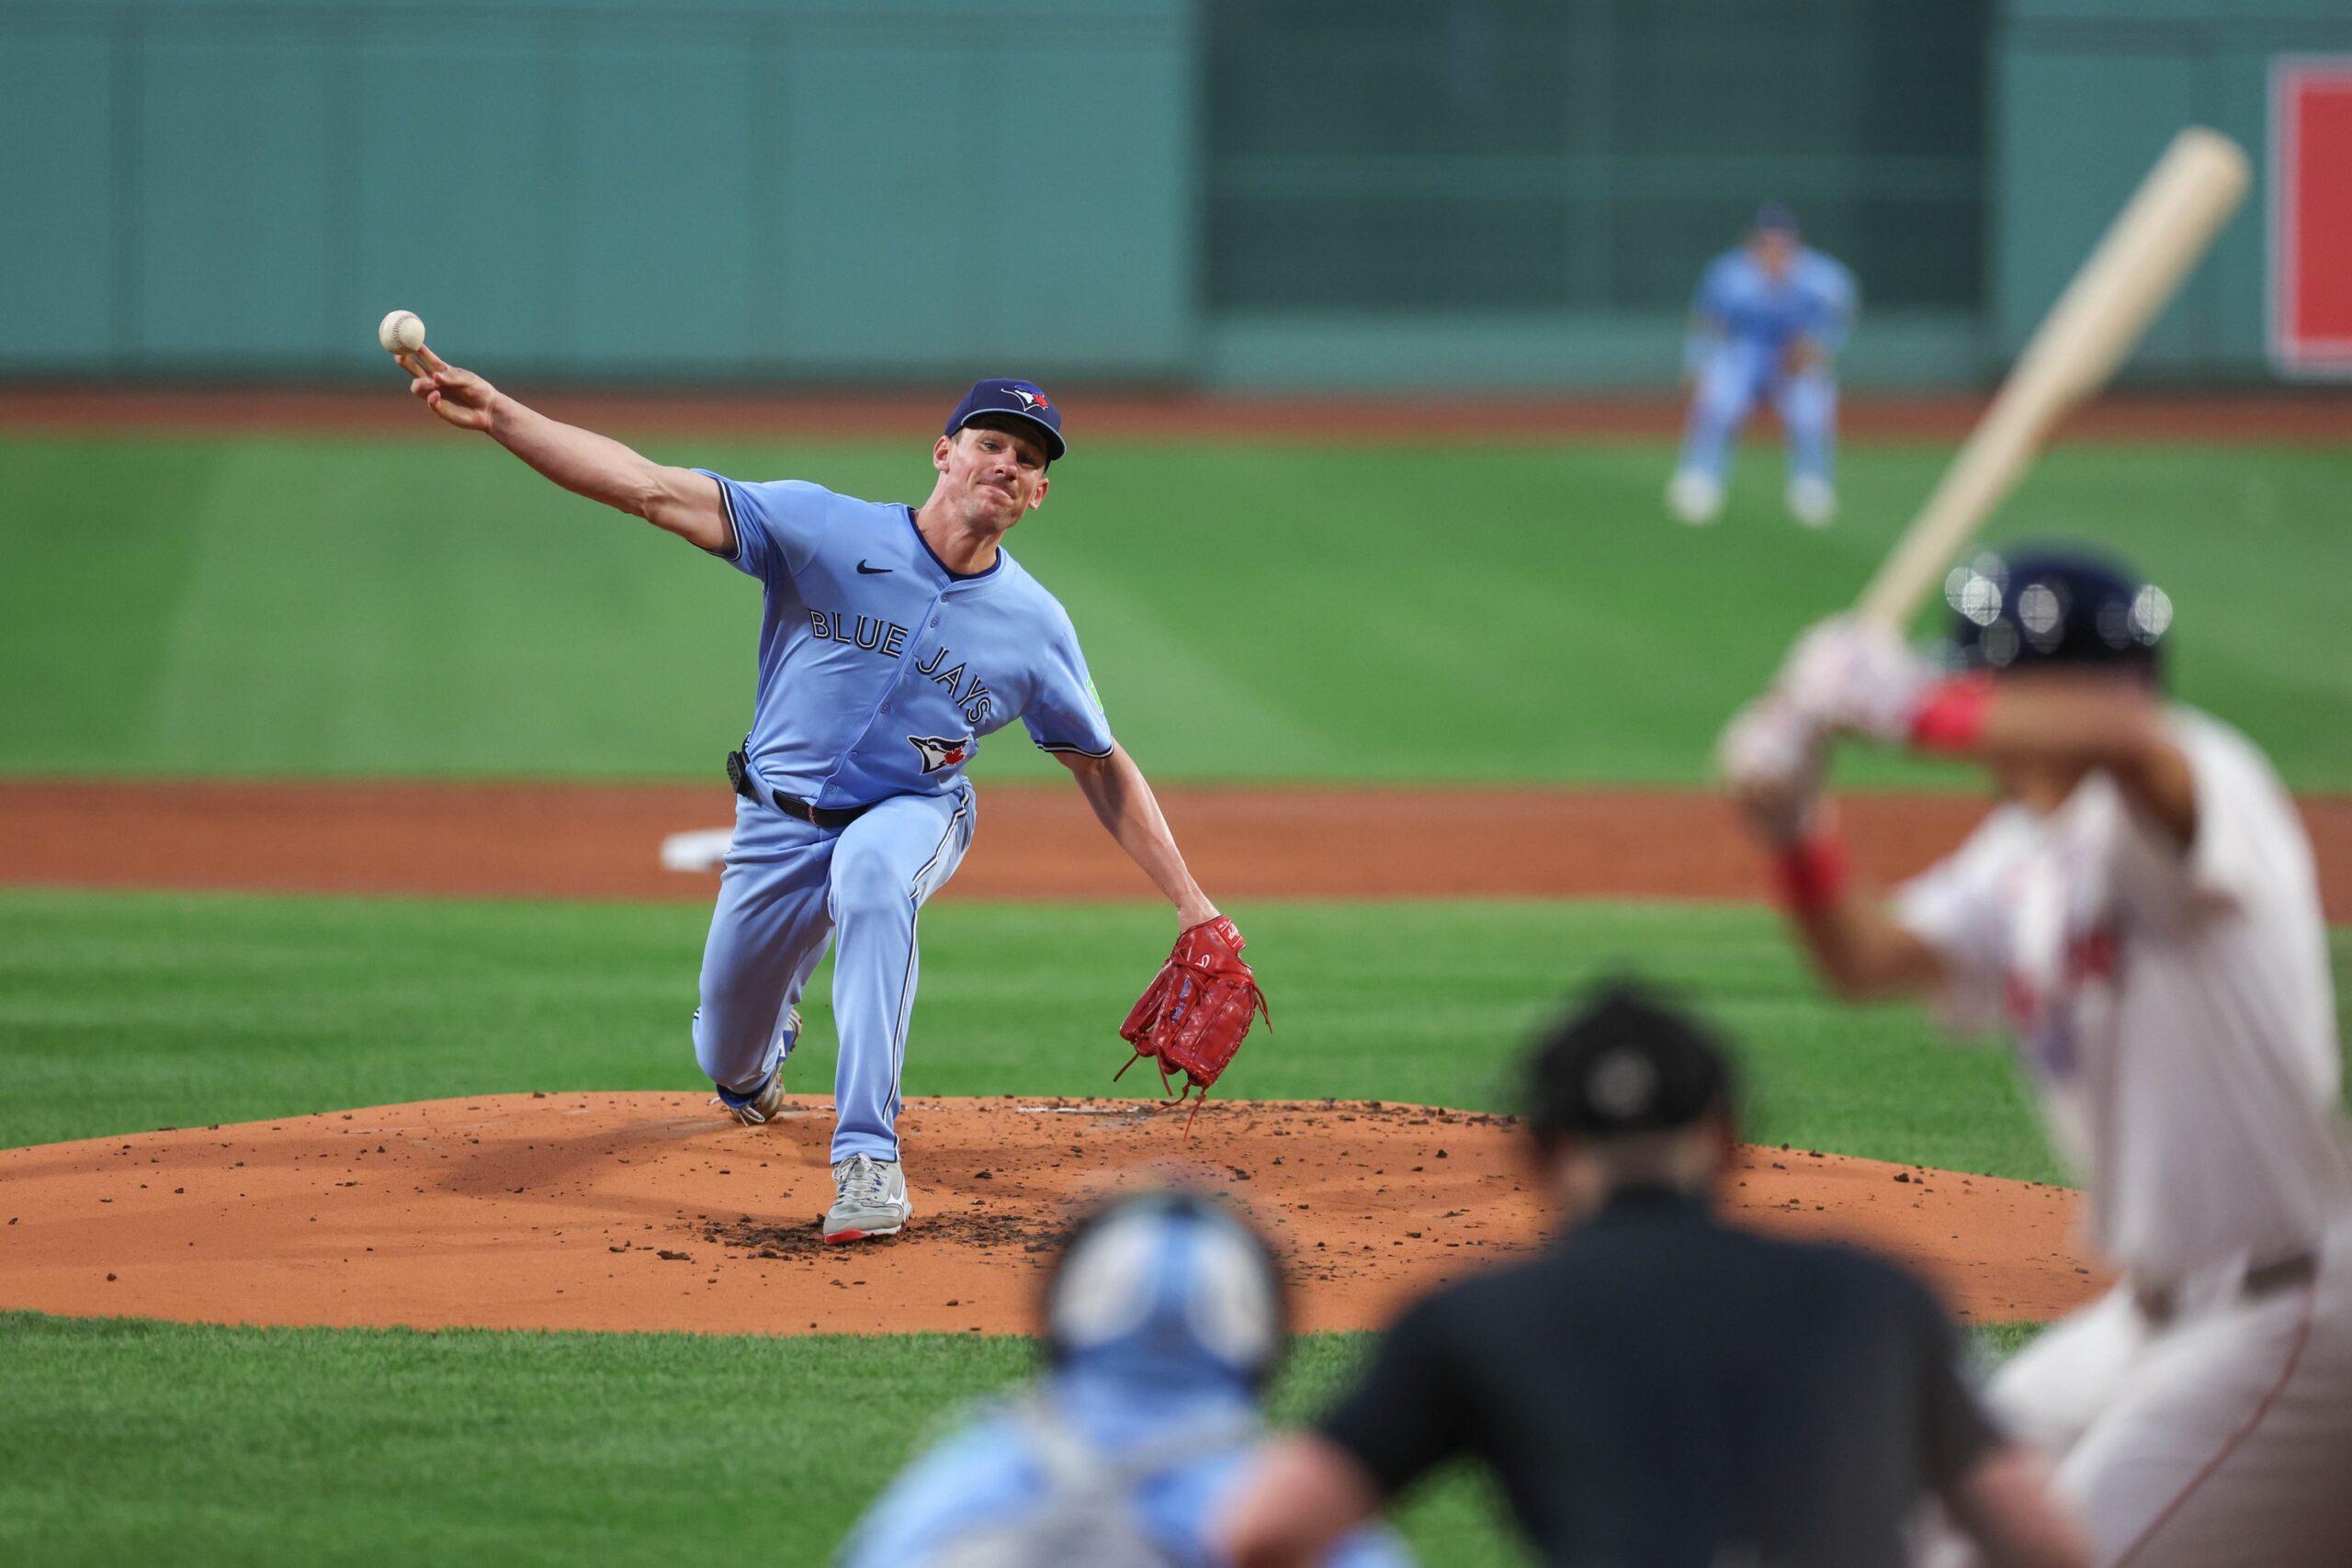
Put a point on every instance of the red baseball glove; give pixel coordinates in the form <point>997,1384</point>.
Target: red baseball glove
<point>1194,1015</point>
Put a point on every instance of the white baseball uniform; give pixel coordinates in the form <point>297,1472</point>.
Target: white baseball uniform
<point>2175,1010</point>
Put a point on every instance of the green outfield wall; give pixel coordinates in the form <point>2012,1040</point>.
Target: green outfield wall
<point>2086,93</point>
<point>687,188</point>
<point>1257,194</point>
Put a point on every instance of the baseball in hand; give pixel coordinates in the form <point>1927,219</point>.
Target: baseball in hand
<point>400,332</point>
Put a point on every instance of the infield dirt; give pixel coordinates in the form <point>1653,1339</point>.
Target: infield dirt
<point>574,841</point>
<point>655,1212</point>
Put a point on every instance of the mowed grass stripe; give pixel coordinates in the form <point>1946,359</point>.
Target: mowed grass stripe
<point>1438,611</point>
<point>125,1011</point>
<point>131,1441</point>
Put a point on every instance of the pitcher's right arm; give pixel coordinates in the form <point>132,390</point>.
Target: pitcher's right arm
<point>678,500</point>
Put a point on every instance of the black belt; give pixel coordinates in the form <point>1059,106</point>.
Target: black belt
<point>738,773</point>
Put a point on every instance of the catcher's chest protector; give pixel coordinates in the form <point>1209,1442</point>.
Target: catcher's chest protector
<point>1089,1517</point>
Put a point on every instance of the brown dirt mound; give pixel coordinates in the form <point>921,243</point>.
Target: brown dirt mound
<point>653,1212</point>
<point>545,840</point>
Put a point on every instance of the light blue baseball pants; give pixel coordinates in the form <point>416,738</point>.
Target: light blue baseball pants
<point>1735,378</point>
<point>788,888</point>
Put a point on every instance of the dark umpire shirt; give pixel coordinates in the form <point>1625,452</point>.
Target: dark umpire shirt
<point>1657,1388</point>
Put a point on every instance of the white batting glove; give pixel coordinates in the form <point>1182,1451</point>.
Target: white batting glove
<point>1856,676</point>
<point>1770,759</point>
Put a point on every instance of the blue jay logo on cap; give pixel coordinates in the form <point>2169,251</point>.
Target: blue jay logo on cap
<point>1020,399</point>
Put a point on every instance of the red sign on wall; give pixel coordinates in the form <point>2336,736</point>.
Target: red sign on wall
<point>2311,215</point>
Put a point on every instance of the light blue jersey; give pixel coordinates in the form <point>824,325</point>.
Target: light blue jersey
<point>880,667</point>
<point>1740,303</point>
<point>991,1471</point>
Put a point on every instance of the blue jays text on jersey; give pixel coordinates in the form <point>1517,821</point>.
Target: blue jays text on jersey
<point>889,640</point>
<point>880,669</point>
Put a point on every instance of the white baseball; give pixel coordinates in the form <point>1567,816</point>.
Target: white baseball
<point>400,332</point>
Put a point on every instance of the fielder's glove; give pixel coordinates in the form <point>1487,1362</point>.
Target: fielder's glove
<point>1194,1015</point>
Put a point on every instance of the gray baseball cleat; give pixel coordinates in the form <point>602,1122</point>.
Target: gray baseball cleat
<point>870,1199</point>
<point>1694,498</point>
<point>1813,501</point>
<point>760,1109</point>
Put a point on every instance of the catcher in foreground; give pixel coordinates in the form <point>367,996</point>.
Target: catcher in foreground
<point>1196,1011</point>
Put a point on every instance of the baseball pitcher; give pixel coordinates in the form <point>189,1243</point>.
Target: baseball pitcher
<point>2142,909</point>
<point>894,638</point>
<point>1767,322</point>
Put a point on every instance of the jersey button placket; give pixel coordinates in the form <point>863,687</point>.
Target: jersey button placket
<point>908,659</point>
<point>882,704</point>
<point>931,622</point>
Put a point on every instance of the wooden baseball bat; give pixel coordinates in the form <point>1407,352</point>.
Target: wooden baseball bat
<point>2137,266</point>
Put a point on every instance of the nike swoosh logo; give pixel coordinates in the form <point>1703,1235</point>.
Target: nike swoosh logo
<point>871,571</point>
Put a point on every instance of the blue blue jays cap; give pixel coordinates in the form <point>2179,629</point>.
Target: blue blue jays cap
<point>1775,218</point>
<point>1021,400</point>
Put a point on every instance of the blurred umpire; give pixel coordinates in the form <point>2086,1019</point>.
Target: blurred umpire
<point>1657,1389</point>
<point>1163,1321</point>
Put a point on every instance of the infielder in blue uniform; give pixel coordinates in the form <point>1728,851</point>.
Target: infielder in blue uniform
<point>1769,319</point>
<point>895,638</point>
<point>1163,1321</point>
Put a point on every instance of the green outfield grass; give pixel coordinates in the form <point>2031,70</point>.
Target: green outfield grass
<point>1423,612</point>
<point>123,1441</point>
<point>122,1011</point>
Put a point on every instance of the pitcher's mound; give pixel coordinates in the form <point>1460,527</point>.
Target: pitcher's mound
<point>655,1212</point>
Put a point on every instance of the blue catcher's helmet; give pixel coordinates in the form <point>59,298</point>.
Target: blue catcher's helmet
<point>1170,1286</point>
<point>2039,605</point>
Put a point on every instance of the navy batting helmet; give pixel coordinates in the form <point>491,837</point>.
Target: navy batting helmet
<point>1166,1287</point>
<point>2043,605</point>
